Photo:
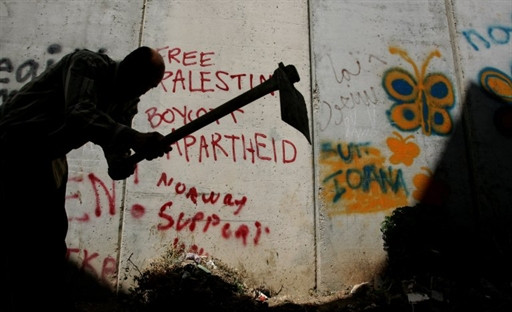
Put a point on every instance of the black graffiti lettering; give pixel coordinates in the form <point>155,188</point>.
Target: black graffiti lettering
<point>26,71</point>
<point>5,66</point>
<point>345,73</point>
<point>31,67</point>
<point>333,114</point>
<point>54,48</point>
<point>359,98</point>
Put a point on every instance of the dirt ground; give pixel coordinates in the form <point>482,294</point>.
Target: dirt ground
<point>187,282</point>
<point>432,266</point>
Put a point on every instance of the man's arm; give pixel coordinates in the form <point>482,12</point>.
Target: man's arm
<point>112,132</point>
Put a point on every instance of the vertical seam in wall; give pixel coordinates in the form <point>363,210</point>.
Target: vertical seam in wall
<point>312,134</point>
<point>120,236</point>
<point>142,22</point>
<point>465,114</point>
<point>124,187</point>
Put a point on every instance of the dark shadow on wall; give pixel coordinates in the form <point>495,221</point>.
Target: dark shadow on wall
<point>457,243</point>
<point>453,250</point>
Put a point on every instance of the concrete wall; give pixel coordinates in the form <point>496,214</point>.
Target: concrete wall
<point>292,215</point>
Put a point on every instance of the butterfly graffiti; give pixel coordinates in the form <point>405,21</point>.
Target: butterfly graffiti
<point>499,85</point>
<point>421,100</point>
<point>496,83</point>
<point>403,151</point>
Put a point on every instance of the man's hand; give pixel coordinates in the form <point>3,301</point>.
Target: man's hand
<point>120,168</point>
<point>151,145</point>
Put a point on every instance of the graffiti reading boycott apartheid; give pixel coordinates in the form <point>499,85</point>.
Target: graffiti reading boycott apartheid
<point>252,149</point>
<point>194,71</point>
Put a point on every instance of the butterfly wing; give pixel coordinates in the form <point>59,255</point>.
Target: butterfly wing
<point>439,99</point>
<point>401,86</point>
<point>497,83</point>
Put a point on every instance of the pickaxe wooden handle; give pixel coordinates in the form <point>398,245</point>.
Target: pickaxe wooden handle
<point>293,106</point>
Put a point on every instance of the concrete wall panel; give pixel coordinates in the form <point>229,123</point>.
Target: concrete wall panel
<point>35,34</point>
<point>374,66</point>
<point>257,167</point>
<point>484,41</point>
<point>396,102</point>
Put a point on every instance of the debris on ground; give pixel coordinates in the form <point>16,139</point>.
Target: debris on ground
<point>432,266</point>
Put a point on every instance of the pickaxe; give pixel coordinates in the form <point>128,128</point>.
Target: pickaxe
<point>293,106</point>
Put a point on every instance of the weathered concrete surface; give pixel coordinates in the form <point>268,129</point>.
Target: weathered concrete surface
<point>367,152</point>
<point>386,84</point>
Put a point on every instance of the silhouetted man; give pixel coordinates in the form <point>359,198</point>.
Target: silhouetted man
<point>85,97</point>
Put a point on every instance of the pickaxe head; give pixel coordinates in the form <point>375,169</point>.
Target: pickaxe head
<point>293,106</point>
